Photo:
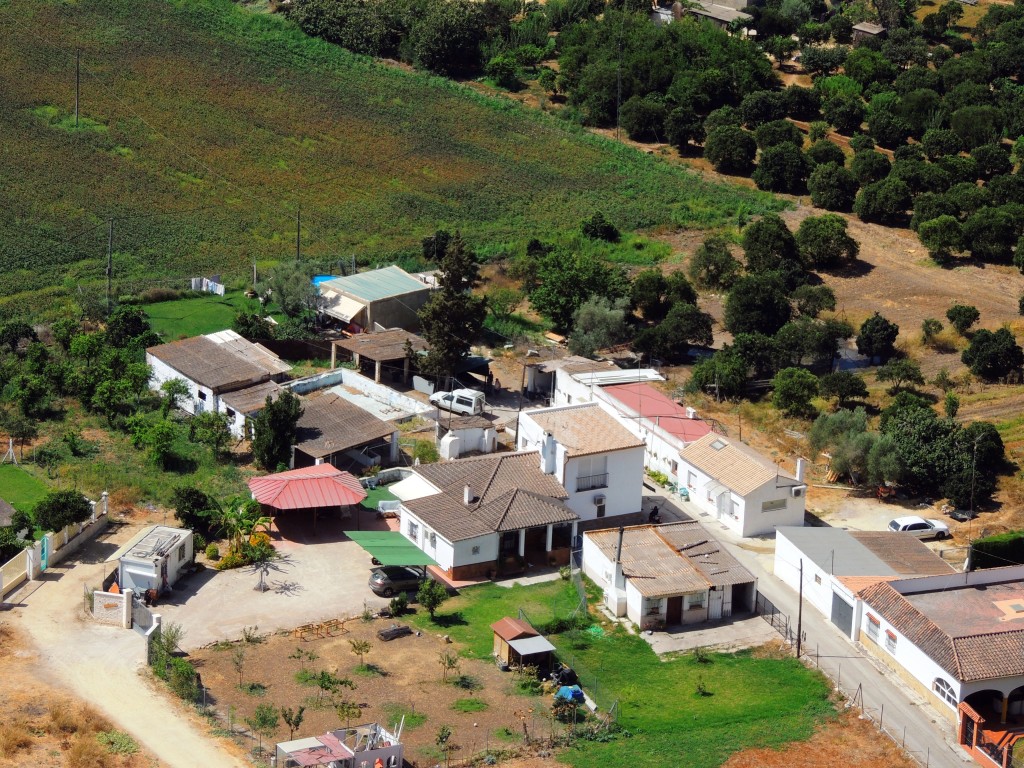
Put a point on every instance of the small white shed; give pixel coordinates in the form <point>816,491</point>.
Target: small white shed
<point>153,559</point>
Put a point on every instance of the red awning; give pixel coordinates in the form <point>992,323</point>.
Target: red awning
<point>307,488</point>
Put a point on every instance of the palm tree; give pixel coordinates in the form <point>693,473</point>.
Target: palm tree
<point>241,519</point>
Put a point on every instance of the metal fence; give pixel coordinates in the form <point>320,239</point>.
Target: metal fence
<point>846,686</point>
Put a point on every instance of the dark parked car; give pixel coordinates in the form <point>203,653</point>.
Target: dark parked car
<point>390,579</point>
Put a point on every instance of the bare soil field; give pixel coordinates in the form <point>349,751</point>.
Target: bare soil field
<point>45,727</point>
<point>845,741</point>
<point>401,677</point>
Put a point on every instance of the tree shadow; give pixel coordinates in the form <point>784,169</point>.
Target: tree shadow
<point>855,268</point>
<point>180,465</point>
<point>446,620</point>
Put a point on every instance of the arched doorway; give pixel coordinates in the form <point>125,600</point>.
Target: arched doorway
<point>987,703</point>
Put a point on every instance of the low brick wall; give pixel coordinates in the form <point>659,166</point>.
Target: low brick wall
<point>108,608</point>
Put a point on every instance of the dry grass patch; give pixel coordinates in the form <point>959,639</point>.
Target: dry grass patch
<point>15,736</point>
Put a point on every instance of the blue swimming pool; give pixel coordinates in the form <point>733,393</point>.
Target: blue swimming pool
<point>317,279</point>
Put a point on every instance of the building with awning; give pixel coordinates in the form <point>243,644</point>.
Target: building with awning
<point>391,548</point>
<point>320,488</point>
<point>384,298</point>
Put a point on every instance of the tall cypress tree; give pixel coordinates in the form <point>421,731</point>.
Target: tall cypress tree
<point>453,316</point>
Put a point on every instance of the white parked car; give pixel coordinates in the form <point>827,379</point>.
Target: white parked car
<point>468,402</point>
<point>918,526</point>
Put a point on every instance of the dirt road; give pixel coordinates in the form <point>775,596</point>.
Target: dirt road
<point>104,665</point>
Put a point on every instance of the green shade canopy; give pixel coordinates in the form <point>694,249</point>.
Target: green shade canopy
<point>390,548</point>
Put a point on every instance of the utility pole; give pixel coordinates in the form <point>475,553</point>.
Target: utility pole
<point>298,234</point>
<point>78,80</point>
<point>800,610</point>
<point>110,262</point>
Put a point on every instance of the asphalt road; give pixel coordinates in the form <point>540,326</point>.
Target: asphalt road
<point>929,735</point>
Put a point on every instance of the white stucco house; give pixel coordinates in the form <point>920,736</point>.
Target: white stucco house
<point>836,562</point>
<point>665,426</point>
<point>744,490</point>
<point>224,373</point>
<point>662,576</point>
<point>959,640</point>
<point>598,462</point>
<point>485,516</point>
<point>573,379</point>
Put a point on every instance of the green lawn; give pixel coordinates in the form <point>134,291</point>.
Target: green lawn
<point>380,493</point>
<point>747,701</point>
<point>20,488</point>
<point>182,318</point>
<point>468,617</point>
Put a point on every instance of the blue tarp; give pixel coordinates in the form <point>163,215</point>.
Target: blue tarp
<point>570,692</point>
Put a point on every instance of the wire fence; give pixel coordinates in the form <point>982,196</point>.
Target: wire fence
<point>849,688</point>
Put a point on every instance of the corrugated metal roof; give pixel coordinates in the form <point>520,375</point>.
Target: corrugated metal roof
<point>617,376</point>
<point>645,402</point>
<point>383,345</point>
<point>330,424</point>
<point>307,488</point>
<point>252,399</point>
<point>221,361</point>
<point>376,284</point>
<point>513,629</point>
<point>734,465</point>
<point>584,430</point>
<point>672,559</point>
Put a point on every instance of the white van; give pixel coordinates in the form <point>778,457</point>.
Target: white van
<point>467,402</point>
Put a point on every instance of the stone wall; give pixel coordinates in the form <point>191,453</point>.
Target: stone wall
<point>108,608</point>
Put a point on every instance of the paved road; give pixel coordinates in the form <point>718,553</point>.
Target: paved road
<point>102,665</point>
<point>929,734</point>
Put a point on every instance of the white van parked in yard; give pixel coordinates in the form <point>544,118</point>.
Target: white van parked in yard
<point>467,402</point>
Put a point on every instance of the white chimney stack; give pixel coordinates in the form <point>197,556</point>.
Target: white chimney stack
<point>691,413</point>
<point>467,495</point>
<point>801,468</point>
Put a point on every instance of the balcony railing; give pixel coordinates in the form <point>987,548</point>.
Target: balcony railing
<point>590,482</point>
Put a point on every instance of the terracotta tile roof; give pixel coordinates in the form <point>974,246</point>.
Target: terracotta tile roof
<point>490,476</point>
<point>330,424</point>
<point>959,628</point>
<point>857,583</point>
<point>307,488</point>
<point>584,430</point>
<point>509,493</point>
<point>645,402</point>
<point>382,345</point>
<point>734,465</point>
<point>670,560</point>
<point>906,555</point>
<point>513,629</point>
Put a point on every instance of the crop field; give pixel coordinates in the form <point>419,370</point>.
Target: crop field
<point>204,129</point>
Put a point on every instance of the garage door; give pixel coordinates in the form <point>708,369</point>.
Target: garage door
<point>842,614</point>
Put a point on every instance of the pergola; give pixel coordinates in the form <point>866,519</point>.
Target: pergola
<point>320,487</point>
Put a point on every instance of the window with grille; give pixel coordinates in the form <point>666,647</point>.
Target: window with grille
<point>873,627</point>
<point>414,530</point>
<point>945,691</point>
<point>890,641</point>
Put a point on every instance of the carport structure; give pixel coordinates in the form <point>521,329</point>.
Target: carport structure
<point>318,488</point>
<point>383,349</point>
<point>391,548</point>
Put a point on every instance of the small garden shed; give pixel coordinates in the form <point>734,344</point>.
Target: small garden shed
<point>516,644</point>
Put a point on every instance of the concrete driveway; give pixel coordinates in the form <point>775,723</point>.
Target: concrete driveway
<point>321,575</point>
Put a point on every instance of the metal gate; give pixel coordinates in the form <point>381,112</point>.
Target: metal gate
<point>842,614</point>
<point>142,617</point>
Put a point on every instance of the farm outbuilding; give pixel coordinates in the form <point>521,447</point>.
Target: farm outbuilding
<point>153,559</point>
<point>517,644</point>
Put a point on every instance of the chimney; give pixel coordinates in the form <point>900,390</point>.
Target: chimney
<point>547,454</point>
<point>691,413</point>
<point>801,468</point>
<point>618,548</point>
<point>467,495</point>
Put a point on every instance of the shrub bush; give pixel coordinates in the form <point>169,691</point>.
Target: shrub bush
<point>212,552</point>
